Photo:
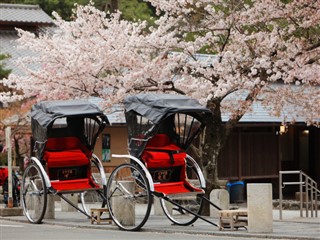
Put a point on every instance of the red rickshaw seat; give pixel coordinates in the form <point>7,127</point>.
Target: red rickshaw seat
<point>66,158</point>
<point>156,157</point>
<point>160,152</point>
<point>158,160</point>
<point>65,152</point>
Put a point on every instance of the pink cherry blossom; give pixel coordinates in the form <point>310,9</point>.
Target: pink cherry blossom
<point>254,45</point>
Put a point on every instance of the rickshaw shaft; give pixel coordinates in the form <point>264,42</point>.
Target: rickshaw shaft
<point>193,213</point>
<point>72,204</point>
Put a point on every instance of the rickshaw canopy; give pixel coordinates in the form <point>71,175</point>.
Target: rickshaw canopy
<point>180,117</point>
<point>44,114</point>
<point>157,107</point>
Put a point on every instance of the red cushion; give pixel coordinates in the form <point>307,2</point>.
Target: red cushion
<point>63,143</point>
<point>66,158</point>
<point>159,140</point>
<point>162,159</point>
<point>157,159</point>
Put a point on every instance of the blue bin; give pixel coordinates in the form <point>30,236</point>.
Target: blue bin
<point>236,191</point>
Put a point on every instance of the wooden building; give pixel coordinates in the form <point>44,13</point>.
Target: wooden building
<point>257,152</point>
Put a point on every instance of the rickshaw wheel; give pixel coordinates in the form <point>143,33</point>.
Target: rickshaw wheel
<point>192,202</point>
<point>34,194</point>
<point>94,198</point>
<point>128,197</point>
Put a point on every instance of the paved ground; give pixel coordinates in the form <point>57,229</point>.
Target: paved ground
<point>291,227</point>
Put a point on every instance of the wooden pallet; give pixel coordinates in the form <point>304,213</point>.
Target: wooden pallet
<point>233,219</point>
<point>96,214</point>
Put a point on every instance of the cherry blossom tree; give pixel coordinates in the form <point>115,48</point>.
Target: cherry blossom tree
<point>264,51</point>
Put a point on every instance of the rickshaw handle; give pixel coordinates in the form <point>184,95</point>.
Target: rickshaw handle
<point>141,165</point>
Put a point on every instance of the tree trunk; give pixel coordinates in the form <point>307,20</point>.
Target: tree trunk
<point>18,156</point>
<point>113,5</point>
<point>213,140</point>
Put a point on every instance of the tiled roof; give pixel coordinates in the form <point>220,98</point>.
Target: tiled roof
<point>262,114</point>
<point>16,14</point>
<point>21,13</point>
<point>8,45</point>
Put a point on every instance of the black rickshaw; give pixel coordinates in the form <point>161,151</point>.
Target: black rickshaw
<point>64,135</point>
<point>161,128</point>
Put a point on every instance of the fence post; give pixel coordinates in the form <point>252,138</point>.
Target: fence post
<point>301,193</point>
<point>280,195</point>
